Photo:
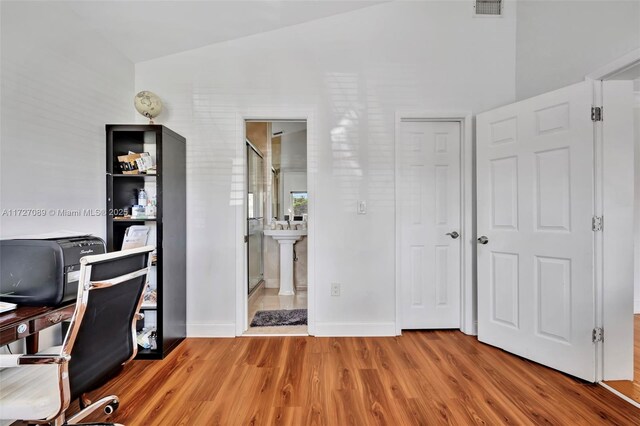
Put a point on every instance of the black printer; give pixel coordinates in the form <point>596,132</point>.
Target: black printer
<point>43,272</point>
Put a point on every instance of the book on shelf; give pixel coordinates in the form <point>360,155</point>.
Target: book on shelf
<point>135,163</point>
<point>144,162</point>
<point>128,164</point>
<point>135,236</point>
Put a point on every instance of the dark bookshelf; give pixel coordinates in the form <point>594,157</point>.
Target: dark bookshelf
<point>168,150</point>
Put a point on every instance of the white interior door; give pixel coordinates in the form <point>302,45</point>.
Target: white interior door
<point>535,200</point>
<point>428,215</point>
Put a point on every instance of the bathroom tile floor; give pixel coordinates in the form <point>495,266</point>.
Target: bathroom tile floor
<point>267,299</point>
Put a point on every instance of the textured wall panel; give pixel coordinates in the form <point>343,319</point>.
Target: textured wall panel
<point>354,75</point>
<point>61,83</point>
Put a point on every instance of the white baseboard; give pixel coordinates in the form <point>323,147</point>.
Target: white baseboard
<point>332,329</point>
<point>211,330</point>
<point>472,331</point>
<point>636,306</point>
<point>354,329</point>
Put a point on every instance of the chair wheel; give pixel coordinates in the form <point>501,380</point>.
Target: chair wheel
<point>111,408</point>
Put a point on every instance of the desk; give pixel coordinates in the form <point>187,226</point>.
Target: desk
<point>26,322</point>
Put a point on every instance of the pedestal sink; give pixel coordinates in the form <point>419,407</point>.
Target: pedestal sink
<point>286,238</point>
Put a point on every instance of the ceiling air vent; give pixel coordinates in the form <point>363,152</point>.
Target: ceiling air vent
<point>488,7</point>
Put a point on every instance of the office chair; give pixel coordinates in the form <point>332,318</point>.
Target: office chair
<point>101,338</point>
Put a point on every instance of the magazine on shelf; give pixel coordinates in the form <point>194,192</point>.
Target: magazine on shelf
<point>144,162</point>
<point>135,236</point>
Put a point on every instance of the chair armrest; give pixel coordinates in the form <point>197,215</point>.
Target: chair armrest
<point>18,360</point>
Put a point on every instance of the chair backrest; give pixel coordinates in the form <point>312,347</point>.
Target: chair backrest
<point>102,334</point>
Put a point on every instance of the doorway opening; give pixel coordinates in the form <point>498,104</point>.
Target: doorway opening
<point>435,231</point>
<point>277,200</point>
<point>628,70</point>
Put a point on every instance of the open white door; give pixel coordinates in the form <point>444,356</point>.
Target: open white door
<point>429,201</point>
<point>535,200</point>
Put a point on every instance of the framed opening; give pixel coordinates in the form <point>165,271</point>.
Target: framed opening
<point>283,182</point>
<point>468,308</point>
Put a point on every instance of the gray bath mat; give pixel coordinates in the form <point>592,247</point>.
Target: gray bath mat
<point>279,318</point>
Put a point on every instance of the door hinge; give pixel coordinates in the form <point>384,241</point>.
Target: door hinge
<point>596,113</point>
<point>597,335</point>
<point>246,238</point>
<point>596,223</point>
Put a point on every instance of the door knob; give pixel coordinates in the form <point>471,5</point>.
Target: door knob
<point>453,234</point>
<point>483,240</point>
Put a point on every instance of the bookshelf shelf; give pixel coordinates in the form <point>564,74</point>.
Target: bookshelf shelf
<point>140,176</point>
<point>149,354</point>
<point>130,219</point>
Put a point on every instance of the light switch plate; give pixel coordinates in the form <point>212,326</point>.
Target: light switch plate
<point>362,207</point>
<point>335,289</point>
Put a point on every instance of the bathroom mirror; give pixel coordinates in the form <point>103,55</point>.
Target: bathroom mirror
<point>289,163</point>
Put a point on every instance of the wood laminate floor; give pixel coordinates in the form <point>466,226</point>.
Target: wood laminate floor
<point>419,378</point>
<point>631,388</point>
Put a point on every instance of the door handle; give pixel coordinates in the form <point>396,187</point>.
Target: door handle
<point>453,234</point>
<point>483,240</point>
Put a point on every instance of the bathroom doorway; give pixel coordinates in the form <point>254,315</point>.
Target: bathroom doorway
<point>277,201</point>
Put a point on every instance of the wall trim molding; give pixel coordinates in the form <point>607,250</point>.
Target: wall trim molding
<point>274,114</point>
<point>355,329</point>
<point>616,66</point>
<point>619,394</point>
<point>211,330</point>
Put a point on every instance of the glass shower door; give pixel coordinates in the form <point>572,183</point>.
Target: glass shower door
<point>255,216</point>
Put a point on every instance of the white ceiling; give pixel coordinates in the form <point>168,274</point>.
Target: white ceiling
<point>149,29</point>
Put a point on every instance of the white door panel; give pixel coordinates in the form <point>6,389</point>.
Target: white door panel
<point>535,205</point>
<point>428,209</point>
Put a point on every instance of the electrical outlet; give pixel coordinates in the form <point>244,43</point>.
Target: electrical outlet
<point>362,207</point>
<point>335,289</point>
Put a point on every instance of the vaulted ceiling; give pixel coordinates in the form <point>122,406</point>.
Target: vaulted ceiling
<point>149,29</point>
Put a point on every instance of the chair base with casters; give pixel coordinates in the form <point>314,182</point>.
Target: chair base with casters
<point>38,389</point>
<point>109,404</point>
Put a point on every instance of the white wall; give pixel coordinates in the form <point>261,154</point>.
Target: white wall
<point>353,71</point>
<point>61,83</point>
<point>559,42</point>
